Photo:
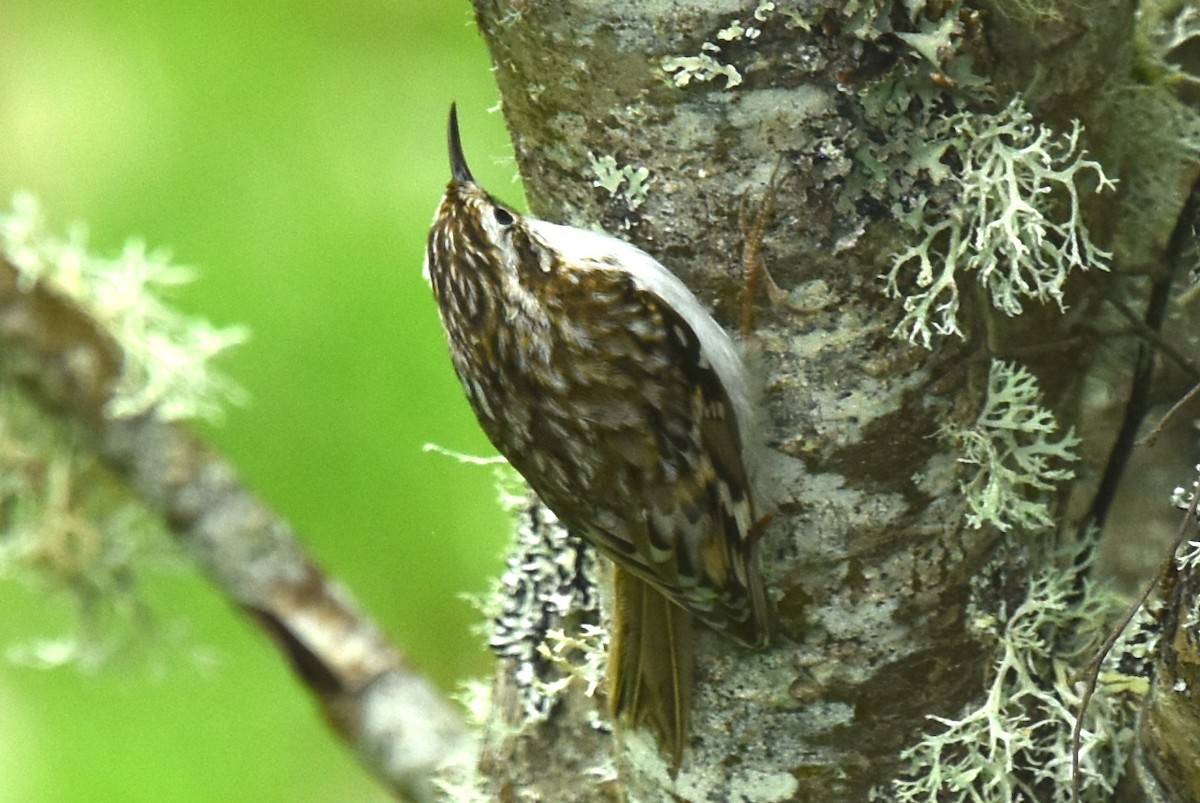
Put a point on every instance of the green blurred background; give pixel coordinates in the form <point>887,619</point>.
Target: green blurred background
<point>293,152</point>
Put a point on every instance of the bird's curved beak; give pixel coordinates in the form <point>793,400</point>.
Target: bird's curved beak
<point>458,163</point>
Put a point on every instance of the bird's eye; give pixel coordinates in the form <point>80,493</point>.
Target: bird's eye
<point>503,216</point>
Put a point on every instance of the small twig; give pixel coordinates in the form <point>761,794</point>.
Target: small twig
<point>1153,434</point>
<point>1032,350</point>
<point>1091,672</point>
<point>1152,336</point>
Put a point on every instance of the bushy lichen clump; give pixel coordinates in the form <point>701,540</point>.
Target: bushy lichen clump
<point>68,526</point>
<point>1187,557</point>
<point>1016,745</point>
<point>73,536</point>
<point>1181,497</point>
<point>546,610</point>
<point>1018,457</point>
<point>993,194</point>
<point>167,356</point>
<point>1008,211</point>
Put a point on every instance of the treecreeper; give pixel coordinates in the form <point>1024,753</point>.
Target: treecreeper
<point>605,382</point>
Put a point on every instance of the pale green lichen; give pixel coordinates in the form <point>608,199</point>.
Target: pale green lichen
<point>1187,562</point>
<point>630,183</point>
<point>579,657</point>
<point>868,20</point>
<point>74,537</point>
<point>167,356</point>
<point>763,10</point>
<point>463,785</point>
<point>1013,218</point>
<point>936,42</point>
<point>871,19</point>
<point>548,588</point>
<point>1016,744</point>
<point>700,68</point>
<point>1017,457</point>
<point>1167,31</point>
<point>735,31</point>
<point>1187,558</point>
<point>475,697</point>
<point>1182,497</point>
<point>69,528</point>
<point>459,778</point>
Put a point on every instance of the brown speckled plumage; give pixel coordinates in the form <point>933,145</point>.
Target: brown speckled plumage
<point>610,389</point>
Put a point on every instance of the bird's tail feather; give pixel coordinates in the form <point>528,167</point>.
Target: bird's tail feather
<point>650,663</point>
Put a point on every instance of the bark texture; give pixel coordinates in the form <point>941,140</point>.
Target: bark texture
<point>1170,735</point>
<point>869,557</point>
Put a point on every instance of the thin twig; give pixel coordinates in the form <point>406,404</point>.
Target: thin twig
<point>1153,434</point>
<point>1153,336</point>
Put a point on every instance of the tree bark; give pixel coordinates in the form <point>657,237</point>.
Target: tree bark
<point>874,561</point>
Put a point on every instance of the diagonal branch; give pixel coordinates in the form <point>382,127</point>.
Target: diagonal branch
<point>395,720</point>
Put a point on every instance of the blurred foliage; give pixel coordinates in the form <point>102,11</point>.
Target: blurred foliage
<point>293,152</point>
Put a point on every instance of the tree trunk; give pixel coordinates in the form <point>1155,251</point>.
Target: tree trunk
<point>917,295</point>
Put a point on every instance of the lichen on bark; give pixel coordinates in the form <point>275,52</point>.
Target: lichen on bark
<point>870,555</point>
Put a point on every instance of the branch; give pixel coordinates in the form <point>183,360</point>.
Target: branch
<point>394,719</point>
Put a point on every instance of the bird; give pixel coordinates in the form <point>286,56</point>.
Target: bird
<point>609,387</point>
